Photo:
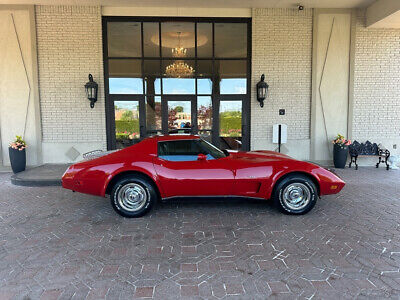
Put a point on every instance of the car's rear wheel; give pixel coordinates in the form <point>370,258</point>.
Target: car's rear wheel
<point>296,194</point>
<point>133,196</point>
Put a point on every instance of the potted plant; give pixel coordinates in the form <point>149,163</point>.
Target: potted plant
<point>340,151</point>
<point>17,154</point>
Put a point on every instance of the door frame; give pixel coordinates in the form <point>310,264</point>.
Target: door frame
<point>216,97</point>
<point>245,119</point>
<point>164,110</point>
<point>111,138</point>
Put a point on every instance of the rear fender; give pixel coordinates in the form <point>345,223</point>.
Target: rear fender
<point>131,169</point>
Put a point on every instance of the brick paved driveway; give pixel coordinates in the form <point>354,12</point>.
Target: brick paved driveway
<point>59,244</point>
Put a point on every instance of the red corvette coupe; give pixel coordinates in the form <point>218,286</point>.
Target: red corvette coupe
<point>169,166</point>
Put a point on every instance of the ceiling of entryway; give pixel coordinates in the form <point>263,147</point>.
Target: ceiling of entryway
<point>204,3</point>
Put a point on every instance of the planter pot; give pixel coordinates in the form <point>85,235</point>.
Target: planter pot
<point>17,160</point>
<point>340,156</point>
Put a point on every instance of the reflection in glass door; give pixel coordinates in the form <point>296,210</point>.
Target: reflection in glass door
<point>127,127</point>
<point>180,116</point>
<point>153,115</point>
<point>204,117</point>
<point>230,124</point>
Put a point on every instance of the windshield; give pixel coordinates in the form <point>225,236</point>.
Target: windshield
<point>211,149</point>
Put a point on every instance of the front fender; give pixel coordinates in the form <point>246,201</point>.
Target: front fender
<point>328,183</point>
<point>299,167</point>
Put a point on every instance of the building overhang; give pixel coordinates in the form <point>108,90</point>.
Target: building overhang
<point>204,3</point>
<point>383,14</point>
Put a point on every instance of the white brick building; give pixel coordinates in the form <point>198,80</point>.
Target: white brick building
<point>334,67</point>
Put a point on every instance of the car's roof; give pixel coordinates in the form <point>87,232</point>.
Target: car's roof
<point>175,137</point>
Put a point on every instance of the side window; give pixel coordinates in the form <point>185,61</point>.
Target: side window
<point>183,150</point>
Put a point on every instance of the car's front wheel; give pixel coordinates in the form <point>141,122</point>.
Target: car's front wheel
<point>133,196</point>
<point>296,194</point>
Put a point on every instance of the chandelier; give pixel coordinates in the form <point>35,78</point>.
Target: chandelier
<point>179,68</point>
<point>179,52</point>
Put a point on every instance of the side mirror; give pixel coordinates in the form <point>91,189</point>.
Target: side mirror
<point>202,157</point>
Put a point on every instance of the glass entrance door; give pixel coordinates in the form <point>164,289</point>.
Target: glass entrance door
<point>180,117</point>
<point>127,127</point>
<point>232,119</point>
<point>230,124</point>
<point>179,114</point>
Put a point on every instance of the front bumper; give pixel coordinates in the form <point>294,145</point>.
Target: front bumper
<point>330,182</point>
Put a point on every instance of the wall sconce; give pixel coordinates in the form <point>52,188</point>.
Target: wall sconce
<point>262,90</point>
<point>91,88</point>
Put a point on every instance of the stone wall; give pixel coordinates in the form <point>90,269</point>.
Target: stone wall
<point>282,50</point>
<point>69,48</point>
<point>376,110</point>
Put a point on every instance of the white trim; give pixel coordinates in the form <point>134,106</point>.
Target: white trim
<point>176,12</point>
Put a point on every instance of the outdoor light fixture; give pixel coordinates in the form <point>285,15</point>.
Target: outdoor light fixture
<point>91,90</point>
<point>262,90</point>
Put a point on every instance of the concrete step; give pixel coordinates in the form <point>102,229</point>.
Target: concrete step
<point>45,175</point>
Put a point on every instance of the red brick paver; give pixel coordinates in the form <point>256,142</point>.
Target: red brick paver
<point>55,244</point>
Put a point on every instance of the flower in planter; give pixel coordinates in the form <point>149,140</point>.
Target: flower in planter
<point>18,143</point>
<point>341,141</point>
<point>134,135</point>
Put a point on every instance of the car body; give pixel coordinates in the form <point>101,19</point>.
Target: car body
<point>252,174</point>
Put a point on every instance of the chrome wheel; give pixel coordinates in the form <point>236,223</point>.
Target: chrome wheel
<point>296,196</point>
<point>132,197</point>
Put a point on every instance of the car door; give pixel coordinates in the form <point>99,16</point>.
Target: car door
<point>182,174</point>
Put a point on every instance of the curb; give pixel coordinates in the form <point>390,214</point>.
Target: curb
<point>34,182</point>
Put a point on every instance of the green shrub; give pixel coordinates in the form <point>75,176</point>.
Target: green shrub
<point>230,125</point>
<point>128,126</point>
<point>121,136</point>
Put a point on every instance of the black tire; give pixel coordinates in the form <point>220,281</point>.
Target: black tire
<point>295,183</point>
<point>140,188</point>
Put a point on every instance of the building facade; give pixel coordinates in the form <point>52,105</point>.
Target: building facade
<point>328,71</point>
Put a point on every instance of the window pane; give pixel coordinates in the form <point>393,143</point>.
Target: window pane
<point>187,150</point>
<point>179,116</point>
<point>178,85</point>
<point>177,39</point>
<point>152,74</point>
<point>187,147</point>
<point>204,113</point>
<point>204,68</point>
<point>204,75</point>
<point>153,114</point>
<point>233,86</point>
<point>151,39</point>
<point>125,76</point>
<point>204,39</point>
<point>126,122</point>
<point>232,74</point>
<point>230,40</point>
<point>124,39</point>
<point>230,119</point>
<point>211,149</point>
<point>204,86</point>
